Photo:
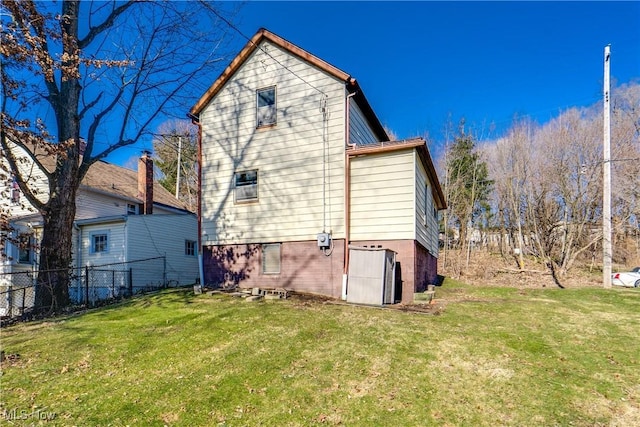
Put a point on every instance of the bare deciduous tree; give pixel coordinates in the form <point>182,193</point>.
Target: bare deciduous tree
<point>509,160</point>
<point>83,79</point>
<point>565,194</point>
<point>548,192</point>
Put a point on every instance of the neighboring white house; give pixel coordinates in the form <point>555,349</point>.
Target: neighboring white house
<point>122,218</point>
<point>296,167</point>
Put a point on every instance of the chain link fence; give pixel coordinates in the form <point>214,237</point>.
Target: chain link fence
<point>89,286</point>
<point>17,293</point>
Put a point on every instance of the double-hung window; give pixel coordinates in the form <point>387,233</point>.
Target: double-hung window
<point>190,247</point>
<point>99,242</point>
<point>266,106</point>
<point>246,186</point>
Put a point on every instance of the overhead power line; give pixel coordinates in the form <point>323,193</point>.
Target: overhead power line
<point>236,29</point>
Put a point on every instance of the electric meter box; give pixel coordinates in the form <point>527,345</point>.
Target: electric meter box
<point>324,240</point>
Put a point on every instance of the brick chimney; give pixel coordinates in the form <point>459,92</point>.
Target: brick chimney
<point>145,182</point>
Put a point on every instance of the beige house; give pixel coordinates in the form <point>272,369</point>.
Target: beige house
<point>296,167</point>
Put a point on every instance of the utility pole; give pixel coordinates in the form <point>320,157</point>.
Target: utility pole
<point>606,165</point>
<point>178,171</point>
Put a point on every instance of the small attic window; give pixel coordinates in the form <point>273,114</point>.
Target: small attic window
<point>266,106</point>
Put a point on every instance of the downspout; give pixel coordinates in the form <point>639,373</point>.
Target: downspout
<point>347,193</point>
<point>195,120</point>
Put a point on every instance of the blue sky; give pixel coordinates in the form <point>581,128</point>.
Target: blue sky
<point>420,63</point>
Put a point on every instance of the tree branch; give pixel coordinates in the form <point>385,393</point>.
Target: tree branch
<point>108,22</point>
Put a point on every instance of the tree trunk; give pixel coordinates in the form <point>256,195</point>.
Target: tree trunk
<point>58,214</point>
<point>52,292</point>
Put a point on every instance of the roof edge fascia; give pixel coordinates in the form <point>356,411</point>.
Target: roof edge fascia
<point>249,48</point>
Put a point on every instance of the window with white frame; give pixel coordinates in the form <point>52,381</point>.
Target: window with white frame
<point>190,247</point>
<point>271,258</point>
<point>266,106</point>
<point>246,186</point>
<point>99,242</point>
<point>132,209</point>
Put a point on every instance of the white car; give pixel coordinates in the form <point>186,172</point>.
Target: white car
<point>630,279</point>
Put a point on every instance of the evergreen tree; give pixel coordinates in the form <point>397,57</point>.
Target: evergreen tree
<point>467,184</point>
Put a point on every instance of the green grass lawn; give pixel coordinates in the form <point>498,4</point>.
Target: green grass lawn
<point>492,356</point>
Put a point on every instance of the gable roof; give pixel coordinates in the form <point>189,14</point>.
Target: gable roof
<point>115,180</point>
<point>107,178</point>
<point>253,44</point>
<point>418,144</point>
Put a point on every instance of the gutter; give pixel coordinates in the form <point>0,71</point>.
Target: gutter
<point>102,220</point>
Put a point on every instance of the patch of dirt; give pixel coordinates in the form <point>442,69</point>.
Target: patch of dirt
<point>301,297</point>
<point>435,308</point>
<point>308,300</point>
<point>11,359</point>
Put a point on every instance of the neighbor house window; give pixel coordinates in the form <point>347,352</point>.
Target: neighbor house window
<point>190,247</point>
<point>246,186</point>
<point>266,106</point>
<point>271,258</point>
<point>99,242</point>
<point>132,209</point>
<point>25,249</point>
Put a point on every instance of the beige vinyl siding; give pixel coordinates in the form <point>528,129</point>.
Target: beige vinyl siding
<point>289,156</point>
<point>382,196</point>
<point>359,130</point>
<point>424,218</point>
<point>147,237</point>
<point>426,234</point>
